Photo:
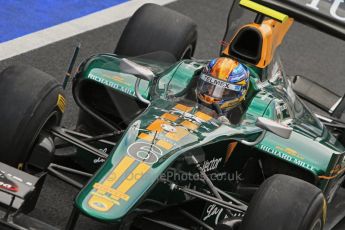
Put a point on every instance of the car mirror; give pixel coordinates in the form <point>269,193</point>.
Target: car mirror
<point>274,127</point>
<point>139,71</point>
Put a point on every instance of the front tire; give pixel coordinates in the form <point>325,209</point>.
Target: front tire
<point>30,101</point>
<point>285,203</point>
<point>156,28</point>
<point>159,34</point>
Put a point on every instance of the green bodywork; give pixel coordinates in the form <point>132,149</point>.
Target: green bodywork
<point>311,147</point>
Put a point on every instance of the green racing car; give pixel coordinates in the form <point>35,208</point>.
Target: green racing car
<point>155,147</point>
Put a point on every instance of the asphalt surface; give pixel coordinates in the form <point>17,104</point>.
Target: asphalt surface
<point>305,52</point>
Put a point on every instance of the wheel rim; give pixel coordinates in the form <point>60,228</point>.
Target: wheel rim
<point>317,225</point>
<point>49,122</point>
<point>187,53</point>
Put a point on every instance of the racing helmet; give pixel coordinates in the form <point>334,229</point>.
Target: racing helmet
<point>223,82</point>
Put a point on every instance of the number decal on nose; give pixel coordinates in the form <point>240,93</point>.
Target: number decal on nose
<point>147,152</point>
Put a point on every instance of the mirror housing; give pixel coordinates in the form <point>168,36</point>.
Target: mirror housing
<point>141,72</point>
<point>144,73</point>
<point>268,125</point>
<point>274,127</point>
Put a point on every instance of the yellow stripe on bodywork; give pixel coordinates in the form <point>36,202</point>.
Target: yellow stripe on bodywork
<point>183,108</point>
<point>169,116</point>
<point>101,203</point>
<point>203,116</point>
<point>156,126</point>
<point>264,10</point>
<point>146,137</point>
<point>113,192</point>
<point>189,125</point>
<point>133,177</point>
<point>164,144</point>
<point>178,135</point>
<point>124,164</point>
<point>105,197</point>
<point>98,200</point>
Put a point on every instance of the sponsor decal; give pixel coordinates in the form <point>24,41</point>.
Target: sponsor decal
<point>213,211</point>
<point>61,103</point>
<point>8,176</point>
<point>110,84</point>
<point>290,151</point>
<point>211,165</point>
<point>334,9</point>
<point>119,79</point>
<point>7,184</point>
<point>223,84</point>
<point>99,159</point>
<point>287,157</point>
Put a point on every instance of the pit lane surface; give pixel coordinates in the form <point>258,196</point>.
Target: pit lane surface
<point>305,52</point>
<point>17,19</point>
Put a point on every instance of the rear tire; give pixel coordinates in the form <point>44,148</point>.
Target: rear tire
<point>28,103</point>
<point>285,203</point>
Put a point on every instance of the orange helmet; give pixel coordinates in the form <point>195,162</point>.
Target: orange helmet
<point>223,81</point>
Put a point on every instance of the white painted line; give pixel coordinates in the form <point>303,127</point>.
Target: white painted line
<point>71,28</point>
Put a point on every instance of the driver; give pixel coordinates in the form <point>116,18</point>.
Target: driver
<point>222,86</point>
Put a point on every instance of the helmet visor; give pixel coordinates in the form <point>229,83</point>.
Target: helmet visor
<point>218,90</point>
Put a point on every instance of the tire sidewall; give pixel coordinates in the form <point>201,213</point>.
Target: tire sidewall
<point>285,203</point>
<point>29,98</point>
